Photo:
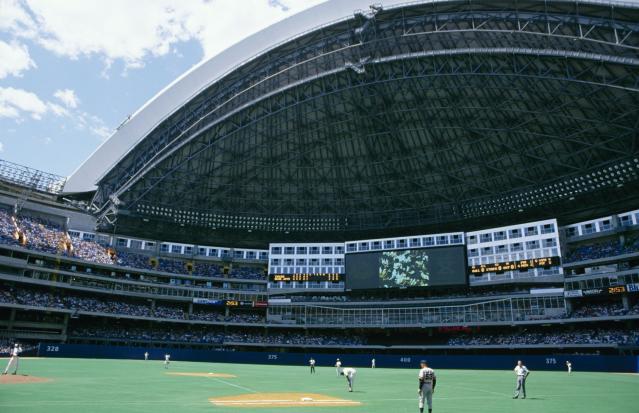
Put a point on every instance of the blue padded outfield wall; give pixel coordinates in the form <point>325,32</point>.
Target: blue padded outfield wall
<point>628,364</point>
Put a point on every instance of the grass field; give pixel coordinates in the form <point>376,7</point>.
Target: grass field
<point>78,385</point>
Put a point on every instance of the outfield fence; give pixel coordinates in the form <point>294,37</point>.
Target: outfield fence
<point>549,362</point>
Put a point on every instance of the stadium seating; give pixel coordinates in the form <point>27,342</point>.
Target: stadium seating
<point>200,335</point>
<point>602,249</point>
<point>114,306</point>
<point>581,336</point>
<point>44,236</point>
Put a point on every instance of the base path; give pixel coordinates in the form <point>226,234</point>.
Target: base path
<point>282,400</point>
<point>211,375</point>
<point>21,379</point>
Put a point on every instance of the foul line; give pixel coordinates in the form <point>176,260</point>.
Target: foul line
<point>234,385</point>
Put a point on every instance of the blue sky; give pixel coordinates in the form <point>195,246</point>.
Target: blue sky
<point>72,70</point>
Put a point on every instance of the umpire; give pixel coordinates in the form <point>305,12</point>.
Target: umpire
<point>522,374</point>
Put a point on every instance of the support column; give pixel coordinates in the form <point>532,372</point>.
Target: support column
<point>65,325</point>
<point>569,306</point>
<point>12,319</point>
<point>626,302</point>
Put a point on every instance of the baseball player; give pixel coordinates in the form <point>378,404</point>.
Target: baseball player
<point>522,374</point>
<point>569,367</point>
<point>338,367</point>
<point>373,363</point>
<point>427,383</point>
<point>167,360</point>
<point>312,364</point>
<point>349,373</point>
<point>14,361</point>
<point>146,355</point>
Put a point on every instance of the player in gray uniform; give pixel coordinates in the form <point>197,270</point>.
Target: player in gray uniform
<point>522,374</point>
<point>427,382</point>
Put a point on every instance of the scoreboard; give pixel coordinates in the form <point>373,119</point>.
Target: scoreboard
<point>498,267</point>
<point>304,277</point>
<point>230,303</point>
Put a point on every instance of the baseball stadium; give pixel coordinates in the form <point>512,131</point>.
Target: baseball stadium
<point>316,217</point>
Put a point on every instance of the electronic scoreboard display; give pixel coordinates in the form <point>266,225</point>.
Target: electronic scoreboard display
<point>230,303</point>
<point>406,268</point>
<point>520,265</point>
<point>304,277</point>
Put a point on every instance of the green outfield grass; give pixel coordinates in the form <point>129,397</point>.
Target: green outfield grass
<point>123,386</point>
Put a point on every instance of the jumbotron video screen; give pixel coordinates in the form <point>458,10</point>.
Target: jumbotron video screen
<point>408,268</point>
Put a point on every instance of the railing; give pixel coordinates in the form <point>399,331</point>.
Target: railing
<point>31,178</point>
<point>496,311</point>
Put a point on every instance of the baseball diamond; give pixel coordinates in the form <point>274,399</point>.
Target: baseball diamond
<point>126,386</point>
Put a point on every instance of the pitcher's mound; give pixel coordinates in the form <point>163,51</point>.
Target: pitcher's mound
<point>212,375</point>
<point>282,400</point>
<point>21,379</point>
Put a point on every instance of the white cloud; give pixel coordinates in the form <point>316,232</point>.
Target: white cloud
<point>67,97</point>
<point>17,102</point>
<point>235,20</point>
<point>57,109</point>
<point>14,59</point>
<point>93,124</point>
<point>131,31</point>
<point>1,147</point>
<point>16,20</point>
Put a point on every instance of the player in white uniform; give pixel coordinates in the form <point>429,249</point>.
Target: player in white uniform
<point>373,363</point>
<point>349,373</point>
<point>338,367</point>
<point>167,360</point>
<point>311,362</point>
<point>427,383</point>
<point>14,361</point>
<point>146,355</point>
<point>569,367</point>
<point>522,374</point>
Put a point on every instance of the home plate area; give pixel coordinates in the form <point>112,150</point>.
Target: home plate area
<point>281,400</point>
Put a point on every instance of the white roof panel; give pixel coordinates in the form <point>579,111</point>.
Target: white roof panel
<point>198,78</point>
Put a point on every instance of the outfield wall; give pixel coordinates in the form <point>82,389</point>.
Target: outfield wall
<point>628,364</point>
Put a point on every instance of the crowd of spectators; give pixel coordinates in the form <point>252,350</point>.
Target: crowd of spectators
<point>45,236</point>
<point>208,336</point>
<point>120,307</point>
<point>8,229</point>
<point>91,251</point>
<point>603,249</point>
<point>246,273</point>
<point>206,269</point>
<point>604,310</point>
<point>296,339</point>
<point>587,336</point>
<point>7,345</point>
<point>318,339</point>
<point>157,334</point>
<point>42,235</point>
<point>231,318</point>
